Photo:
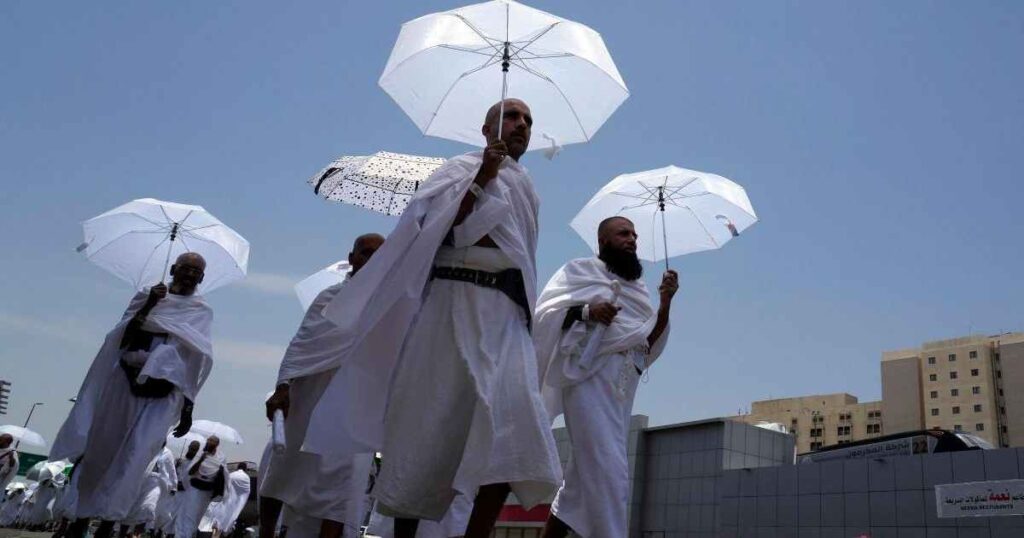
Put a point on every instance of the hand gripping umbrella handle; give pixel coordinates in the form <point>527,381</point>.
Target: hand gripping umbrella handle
<point>277,432</point>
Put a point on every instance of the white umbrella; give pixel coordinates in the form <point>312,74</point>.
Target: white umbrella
<point>138,240</point>
<point>23,435</point>
<point>178,445</point>
<point>383,182</point>
<point>698,211</point>
<point>448,68</point>
<point>226,433</point>
<point>308,288</point>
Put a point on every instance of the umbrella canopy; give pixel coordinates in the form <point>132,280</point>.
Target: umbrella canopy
<point>23,435</point>
<point>382,182</point>
<point>448,68</point>
<point>178,445</point>
<point>138,240</point>
<point>226,433</point>
<point>697,211</point>
<point>308,288</point>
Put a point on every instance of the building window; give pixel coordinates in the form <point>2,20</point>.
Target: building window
<point>956,409</point>
<point>935,412</point>
<point>954,392</point>
<point>979,427</point>
<point>999,374</point>
<point>817,432</point>
<point>977,408</point>
<point>952,357</point>
<point>975,390</point>
<point>1003,428</point>
<point>934,394</point>
<point>974,372</point>
<point>931,360</point>
<point>1000,392</point>
<point>974,354</point>
<point>843,430</point>
<point>1002,410</point>
<point>958,428</point>
<point>874,428</point>
<point>933,377</point>
<point>952,375</point>
<point>816,445</point>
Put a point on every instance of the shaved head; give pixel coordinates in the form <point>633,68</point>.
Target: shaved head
<point>515,126</point>
<point>5,440</point>
<point>616,240</point>
<point>362,249</point>
<point>606,225</point>
<point>187,273</point>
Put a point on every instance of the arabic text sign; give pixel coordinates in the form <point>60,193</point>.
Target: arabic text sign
<point>980,499</point>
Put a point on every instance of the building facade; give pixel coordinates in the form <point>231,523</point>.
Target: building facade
<point>822,420</point>
<point>960,384</point>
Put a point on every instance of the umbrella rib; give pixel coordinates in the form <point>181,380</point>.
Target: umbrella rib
<point>489,40</point>
<point>634,196</point>
<point>433,115</point>
<point>539,35</point>
<point>568,103</point>
<point>150,257</point>
<point>124,234</point>
<point>466,49</point>
<point>697,218</point>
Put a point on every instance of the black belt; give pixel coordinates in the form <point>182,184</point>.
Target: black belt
<point>510,282</point>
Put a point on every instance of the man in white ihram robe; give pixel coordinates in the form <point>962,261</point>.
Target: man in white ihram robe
<point>221,515</point>
<point>442,372</point>
<point>331,489</point>
<point>207,479</point>
<point>167,507</point>
<point>8,460</point>
<point>143,380</point>
<point>161,479</point>
<point>595,390</point>
<point>13,497</point>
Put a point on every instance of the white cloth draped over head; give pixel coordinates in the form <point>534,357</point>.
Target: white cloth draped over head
<point>374,312</point>
<point>184,360</point>
<point>223,514</point>
<point>8,466</point>
<point>585,281</point>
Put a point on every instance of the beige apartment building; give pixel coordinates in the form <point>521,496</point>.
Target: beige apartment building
<point>970,384</point>
<point>821,420</point>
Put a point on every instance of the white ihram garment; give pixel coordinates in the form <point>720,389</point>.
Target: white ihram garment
<point>453,524</point>
<point>377,312</point>
<point>468,363</point>
<point>596,395</point>
<point>320,487</point>
<point>194,501</point>
<point>116,434</point>
<point>161,477</point>
<point>12,505</point>
<point>40,504</point>
<point>8,467</point>
<point>223,514</point>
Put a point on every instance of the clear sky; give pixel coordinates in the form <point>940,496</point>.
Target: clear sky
<point>879,141</point>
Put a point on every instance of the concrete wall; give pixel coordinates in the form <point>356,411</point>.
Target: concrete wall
<point>1012,363</point>
<point>881,498</point>
<point>902,408</point>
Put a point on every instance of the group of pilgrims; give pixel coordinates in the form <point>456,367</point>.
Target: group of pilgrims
<point>416,395</point>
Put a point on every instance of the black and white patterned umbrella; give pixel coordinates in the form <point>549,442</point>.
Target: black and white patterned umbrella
<point>382,182</point>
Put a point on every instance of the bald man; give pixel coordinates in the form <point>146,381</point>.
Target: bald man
<point>330,489</point>
<point>440,317</point>
<point>141,383</point>
<point>8,460</point>
<point>594,386</point>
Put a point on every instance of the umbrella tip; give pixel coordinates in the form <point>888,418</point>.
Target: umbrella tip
<point>82,247</point>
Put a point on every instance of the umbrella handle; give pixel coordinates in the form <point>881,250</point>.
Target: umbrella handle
<point>664,233</point>
<point>170,246</point>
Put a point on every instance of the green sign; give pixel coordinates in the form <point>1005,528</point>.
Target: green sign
<point>26,461</point>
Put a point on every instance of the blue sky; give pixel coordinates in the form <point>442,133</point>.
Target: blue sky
<point>879,142</point>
